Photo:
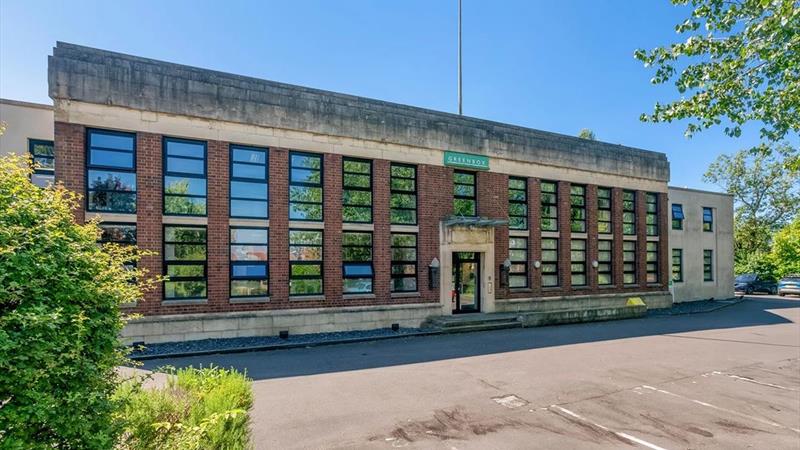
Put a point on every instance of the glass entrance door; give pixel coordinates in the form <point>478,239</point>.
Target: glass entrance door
<point>466,292</point>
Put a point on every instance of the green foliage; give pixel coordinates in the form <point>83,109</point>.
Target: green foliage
<point>786,249</point>
<point>59,318</point>
<point>760,263</point>
<point>739,62</point>
<point>586,133</point>
<point>198,409</point>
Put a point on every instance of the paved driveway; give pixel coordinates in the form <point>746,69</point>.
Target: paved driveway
<point>726,379</point>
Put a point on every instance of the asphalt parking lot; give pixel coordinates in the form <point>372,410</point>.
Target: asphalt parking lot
<point>726,379</point>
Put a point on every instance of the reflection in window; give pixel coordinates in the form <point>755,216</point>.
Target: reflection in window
<point>357,190</point>
<point>708,265</point>
<point>604,218</point>
<point>629,262</point>
<point>708,219</point>
<point>404,262</point>
<point>403,189</point>
<point>249,262</point>
<point>549,195</point>
<point>651,219</point>
<point>357,268</point>
<point>305,186</point>
<point>43,157</point>
<point>517,203</point>
<point>185,262</point>
<point>577,202</point>
<point>184,177</point>
<point>305,262</point>
<point>111,173</point>
<point>604,268</point>
<point>578,262</point>
<point>549,262</point>
<point>628,212</point>
<point>464,198</point>
<point>651,257</point>
<point>518,255</point>
<point>677,216</point>
<point>677,265</point>
<point>249,192</point>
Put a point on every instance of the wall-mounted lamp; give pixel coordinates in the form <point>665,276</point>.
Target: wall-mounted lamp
<point>433,274</point>
<point>504,269</point>
<point>537,264</point>
<point>595,264</point>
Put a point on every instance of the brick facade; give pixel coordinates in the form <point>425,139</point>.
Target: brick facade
<point>435,202</point>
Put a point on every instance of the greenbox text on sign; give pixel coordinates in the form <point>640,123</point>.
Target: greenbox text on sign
<point>466,160</point>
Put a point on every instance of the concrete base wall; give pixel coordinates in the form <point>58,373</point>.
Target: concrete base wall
<point>653,300</point>
<point>189,327</point>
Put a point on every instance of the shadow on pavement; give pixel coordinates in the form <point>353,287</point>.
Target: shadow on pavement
<point>754,311</point>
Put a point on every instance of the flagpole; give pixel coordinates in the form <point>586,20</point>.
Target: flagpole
<point>460,111</point>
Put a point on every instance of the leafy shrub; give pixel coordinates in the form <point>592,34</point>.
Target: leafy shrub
<point>198,409</point>
<point>59,319</point>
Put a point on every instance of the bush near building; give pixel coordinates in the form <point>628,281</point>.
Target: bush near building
<point>60,294</point>
<point>198,409</point>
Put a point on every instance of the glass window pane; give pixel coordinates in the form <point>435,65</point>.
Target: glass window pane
<point>255,270</point>
<point>249,288</point>
<point>240,252</point>
<point>184,289</point>
<point>243,189</point>
<point>190,149</point>
<point>249,171</point>
<point>249,235</point>
<point>121,202</point>
<point>249,156</point>
<point>307,161</point>
<point>184,205</point>
<point>183,165</point>
<point>111,140</point>
<point>249,208</point>
<point>111,158</point>
<point>305,287</point>
<point>184,186</point>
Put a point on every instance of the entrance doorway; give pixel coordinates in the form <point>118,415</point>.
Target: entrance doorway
<point>466,292</point>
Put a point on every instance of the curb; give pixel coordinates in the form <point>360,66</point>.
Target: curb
<point>269,347</point>
<point>728,302</point>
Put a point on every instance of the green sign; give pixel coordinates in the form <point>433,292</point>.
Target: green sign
<point>466,160</point>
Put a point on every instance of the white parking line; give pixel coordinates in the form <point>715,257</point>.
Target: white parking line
<point>625,436</point>
<point>750,380</point>
<point>729,411</point>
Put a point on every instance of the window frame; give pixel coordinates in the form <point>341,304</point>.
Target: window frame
<point>32,143</point>
<point>393,191</point>
<point>167,173</point>
<point>581,262</point>
<point>605,267</point>
<point>369,162</point>
<point>577,208</point>
<point>320,262</point>
<point>708,267</point>
<point>523,202</point>
<point>234,263</point>
<point>321,185</point>
<point>233,178</point>
<point>401,262</point>
<point>677,220</point>
<point>679,266</point>
<point>710,222</point>
<point>165,264</point>
<point>554,262</point>
<point>609,208</point>
<point>474,197</point>
<point>633,262</point>
<point>552,205</point>
<point>355,263</point>
<point>525,273</point>
<point>88,166</point>
<point>651,229</point>
<point>651,266</point>
<point>632,211</point>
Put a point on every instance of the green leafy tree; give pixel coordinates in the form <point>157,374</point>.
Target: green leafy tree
<point>786,249</point>
<point>586,133</point>
<point>765,192</point>
<point>59,318</point>
<point>739,62</point>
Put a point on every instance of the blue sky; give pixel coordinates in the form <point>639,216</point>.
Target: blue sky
<point>552,65</point>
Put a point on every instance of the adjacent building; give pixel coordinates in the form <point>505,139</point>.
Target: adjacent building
<point>29,130</point>
<point>275,207</point>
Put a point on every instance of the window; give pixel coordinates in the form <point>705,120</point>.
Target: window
<point>404,262</point>
<point>111,171</point>
<point>357,190</point>
<point>677,264</point>
<point>577,202</point>
<point>305,262</point>
<point>249,255</point>
<point>651,219</point>
<point>403,191</point>
<point>708,219</point>
<point>605,271</point>
<point>708,265</point>
<point>517,203</point>
<point>518,255</point>
<point>249,195</point>
<point>677,217</point>
<point>357,262</point>
<point>651,258</point>
<point>118,233</point>
<point>604,217</point>
<point>577,257</point>
<point>305,187</point>
<point>549,206</point>
<point>185,186</point>
<point>44,163</point>
<point>185,262</point>
<point>464,203</point>
<point>549,262</point>
<point>628,212</point>
<point>629,262</point>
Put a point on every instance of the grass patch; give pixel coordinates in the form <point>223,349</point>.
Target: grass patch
<point>202,408</point>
